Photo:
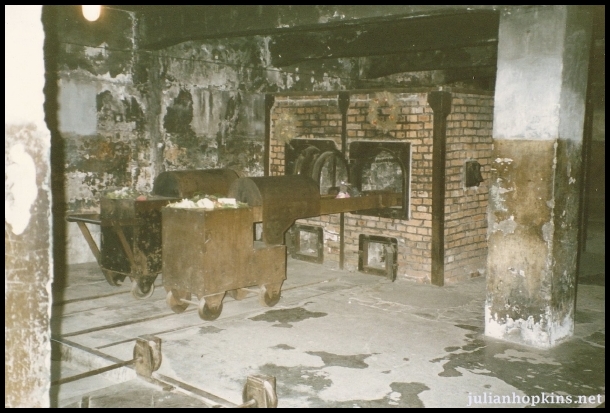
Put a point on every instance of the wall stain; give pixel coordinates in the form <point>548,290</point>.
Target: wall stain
<point>134,113</point>
<point>79,205</point>
<point>230,119</point>
<point>98,155</point>
<point>106,107</point>
<point>232,104</point>
<point>179,114</point>
<point>136,136</point>
<point>27,282</point>
<point>532,250</point>
<point>181,137</point>
<point>94,47</point>
<point>243,154</point>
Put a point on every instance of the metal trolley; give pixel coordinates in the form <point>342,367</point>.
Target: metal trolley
<point>131,239</point>
<point>211,253</point>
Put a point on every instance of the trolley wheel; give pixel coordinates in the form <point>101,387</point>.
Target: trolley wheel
<point>210,307</point>
<point>259,391</point>
<point>113,278</point>
<point>147,355</point>
<point>238,294</point>
<point>142,288</point>
<point>270,294</point>
<point>173,300</point>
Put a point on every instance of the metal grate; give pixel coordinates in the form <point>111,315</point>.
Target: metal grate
<point>307,243</point>
<point>377,255</point>
<point>382,165</point>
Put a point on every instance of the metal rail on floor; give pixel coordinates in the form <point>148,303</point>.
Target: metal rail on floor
<point>259,390</point>
<point>92,373</point>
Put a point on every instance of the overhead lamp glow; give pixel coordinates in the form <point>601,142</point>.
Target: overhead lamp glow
<point>92,13</point>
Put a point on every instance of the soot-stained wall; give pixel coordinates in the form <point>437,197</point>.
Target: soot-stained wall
<point>125,114</point>
<point>103,139</point>
<point>212,101</point>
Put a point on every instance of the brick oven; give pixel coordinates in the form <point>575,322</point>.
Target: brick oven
<point>432,145</point>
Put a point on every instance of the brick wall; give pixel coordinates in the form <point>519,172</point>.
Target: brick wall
<point>414,125</point>
<point>309,117</point>
<point>469,136</point>
<point>469,131</point>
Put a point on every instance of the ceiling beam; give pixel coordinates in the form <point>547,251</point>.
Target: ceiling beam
<point>424,34</point>
<point>481,77</point>
<point>162,26</point>
<point>465,57</point>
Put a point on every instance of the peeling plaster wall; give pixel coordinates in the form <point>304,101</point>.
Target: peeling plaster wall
<point>534,198</point>
<point>519,261</point>
<point>101,115</point>
<point>27,224</point>
<point>212,105</point>
<point>568,173</point>
<point>127,115</point>
<point>538,50</point>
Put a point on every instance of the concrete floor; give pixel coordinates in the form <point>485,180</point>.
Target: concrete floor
<point>335,339</point>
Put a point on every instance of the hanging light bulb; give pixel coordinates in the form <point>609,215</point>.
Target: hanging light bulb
<point>92,13</point>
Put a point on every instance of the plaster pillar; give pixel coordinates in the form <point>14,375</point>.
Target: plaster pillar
<point>27,219</point>
<point>543,55</point>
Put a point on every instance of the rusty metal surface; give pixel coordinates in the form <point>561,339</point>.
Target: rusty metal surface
<point>217,256</point>
<point>131,241</point>
<point>187,183</point>
<point>131,235</point>
<point>368,200</point>
<point>86,218</point>
<point>211,252</point>
<point>283,199</point>
<point>208,253</point>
